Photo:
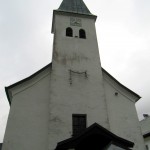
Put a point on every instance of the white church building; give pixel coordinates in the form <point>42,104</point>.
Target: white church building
<point>72,103</point>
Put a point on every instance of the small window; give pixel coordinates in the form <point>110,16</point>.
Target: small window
<point>69,32</point>
<point>82,34</point>
<point>79,123</point>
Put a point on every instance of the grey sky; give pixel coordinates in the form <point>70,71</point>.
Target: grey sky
<point>123,30</point>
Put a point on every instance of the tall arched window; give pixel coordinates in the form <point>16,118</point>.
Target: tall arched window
<point>82,34</point>
<point>69,32</point>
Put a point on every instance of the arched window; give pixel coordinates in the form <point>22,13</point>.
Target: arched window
<point>69,32</point>
<point>82,34</point>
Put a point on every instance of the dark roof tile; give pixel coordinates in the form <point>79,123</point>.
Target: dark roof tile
<point>76,6</point>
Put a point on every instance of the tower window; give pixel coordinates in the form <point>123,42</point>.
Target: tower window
<point>69,32</point>
<point>82,34</point>
<point>78,123</point>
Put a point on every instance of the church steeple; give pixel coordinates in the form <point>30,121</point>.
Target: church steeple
<point>75,6</point>
<point>76,63</point>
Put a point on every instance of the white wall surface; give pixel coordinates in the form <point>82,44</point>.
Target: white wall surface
<point>123,117</point>
<point>145,126</point>
<point>27,127</point>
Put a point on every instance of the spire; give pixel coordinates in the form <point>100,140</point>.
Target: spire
<point>75,6</point>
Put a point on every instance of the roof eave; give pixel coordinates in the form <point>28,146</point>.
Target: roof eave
<point>22,81</point>
<point>76,13</point>
<point>136,95</point>
<point>71,13</point>
<point>146,135</point>
<point>7,94</point>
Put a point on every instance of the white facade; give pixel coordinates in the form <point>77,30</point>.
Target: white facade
<point>145,126</point>
<point>82,95</point>
<point>123,117</point>
<point>42,105</point>
<point>27,127</point>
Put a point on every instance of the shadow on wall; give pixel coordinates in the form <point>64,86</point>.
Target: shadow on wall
<point>0,146</point>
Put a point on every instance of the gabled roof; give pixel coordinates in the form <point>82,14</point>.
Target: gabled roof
<point>75,6</point>
<point>50,65</point>
<point>102,136</point>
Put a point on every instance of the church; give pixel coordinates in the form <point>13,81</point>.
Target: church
<point>72,103</point>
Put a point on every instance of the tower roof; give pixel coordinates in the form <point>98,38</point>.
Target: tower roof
<point>76,6</point>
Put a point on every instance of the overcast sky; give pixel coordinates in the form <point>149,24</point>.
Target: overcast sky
<point>123,30</point>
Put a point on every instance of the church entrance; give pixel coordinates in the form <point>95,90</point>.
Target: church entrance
<point>93,142</point>
<point>95,137</point>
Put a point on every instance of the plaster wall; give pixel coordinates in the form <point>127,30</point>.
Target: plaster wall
<point>145,126</point>
<point>27,127</point>
<point>84,95</point>
<point>122,114</point>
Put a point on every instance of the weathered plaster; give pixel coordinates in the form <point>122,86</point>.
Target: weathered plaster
<point>27,127</point>
<point>85,93</point>
<point>122,113</point>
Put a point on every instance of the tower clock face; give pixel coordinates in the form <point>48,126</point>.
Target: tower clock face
<point>75,21</point>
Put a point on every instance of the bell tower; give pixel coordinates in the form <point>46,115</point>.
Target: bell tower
<point>76,79</point>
